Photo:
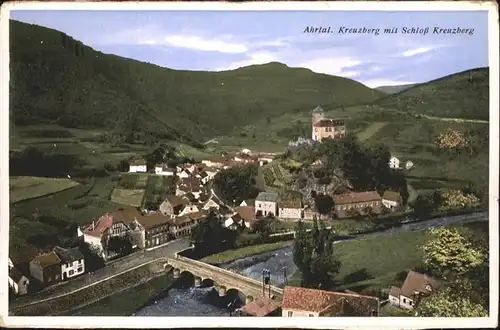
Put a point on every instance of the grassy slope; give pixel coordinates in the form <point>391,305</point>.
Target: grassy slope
<point>373,263</point>
<point>51,83</point>
<point>393,89</point>
<point>46,221</point>
<point>460,95</point>
<point>24,187</point>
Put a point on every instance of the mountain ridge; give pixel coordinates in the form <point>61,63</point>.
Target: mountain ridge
<point>56,79</point>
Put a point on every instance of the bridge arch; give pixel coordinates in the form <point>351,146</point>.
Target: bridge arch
<point>186,279</point>
<point>207,282</point>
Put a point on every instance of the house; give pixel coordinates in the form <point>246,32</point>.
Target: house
<point>244,203</point>
<point>189,208</point>
<point>392,199</point>
<point>156,229</point>
<point>96,234</point>
<point>266,203</point>
<point>265,159</point>
<point>138,165</point>
<point>173,205</point>
<point>210,204</point>
<point>193,185</point>
<point>310,213</point>
<point>394,162</point>
<point>356,201</point>
<point>323,128</point>
<point>204,177</point>
<point>246,151</point>
<point>17,281</point>
<point>231,222</point>
<point>182,225</point>
<point>46,268</point>
<point>290,205</point>
<point>262,306</point>
<point>184,174</point>
<point>72,262</point>
<point>211,172</point>
<point>215,161</point>
<point>245,214</point>
<point>163,169</point>
<point>415,287</point>
<point>299,302</point>
<point>408,165</point>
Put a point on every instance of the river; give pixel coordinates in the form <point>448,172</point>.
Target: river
<point>186,300</point>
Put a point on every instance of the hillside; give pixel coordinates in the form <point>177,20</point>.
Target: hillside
<point>461,95</point>
<point>393,89</point>
<point>58,80</point>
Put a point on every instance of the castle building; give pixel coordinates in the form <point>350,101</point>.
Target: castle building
<point>323,128</point>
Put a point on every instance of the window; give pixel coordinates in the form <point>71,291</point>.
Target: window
<point>404,301</point>
<point>410,302</point>
<point>80,269</point>
<point>290,313</point>
<point>260,205</point>
<point>311,315</point>
<point>71,272</point>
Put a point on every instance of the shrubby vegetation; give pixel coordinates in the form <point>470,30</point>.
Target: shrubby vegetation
<point>462,263</point>
<point>366,168</point>
<point>237,183</point>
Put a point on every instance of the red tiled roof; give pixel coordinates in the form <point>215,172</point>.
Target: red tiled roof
<point>335,303</point>
<point>216,159</point>
<point>356,197</point>
<point>247,213</point>
<point>153,220</point>
<point>329,123</point>
<point>417,282</point>
<point>176,200</point>
<point>124,215</point>
<point>261,307</point>
<point>98,228</point>
<point>392,196</point>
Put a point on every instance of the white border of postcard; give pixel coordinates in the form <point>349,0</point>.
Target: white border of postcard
<point>259,322</point>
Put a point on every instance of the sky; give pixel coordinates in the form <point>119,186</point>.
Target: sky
<point>226,40</point>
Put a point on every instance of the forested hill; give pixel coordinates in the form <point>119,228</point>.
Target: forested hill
<point>460,95</point>
<point>56,79</point>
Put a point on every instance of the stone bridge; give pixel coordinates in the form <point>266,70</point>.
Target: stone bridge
<point>224,280</point>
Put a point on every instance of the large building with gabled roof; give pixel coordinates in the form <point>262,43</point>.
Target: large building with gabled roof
<point>326,128</point>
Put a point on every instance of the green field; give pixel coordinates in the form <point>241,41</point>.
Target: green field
<point>45,221</point>
<point>25,187</point>
<point>131,197</point>
<point>372,264</point>
<point>371,130</point>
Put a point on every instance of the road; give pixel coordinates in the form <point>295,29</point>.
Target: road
<point>112,269</point>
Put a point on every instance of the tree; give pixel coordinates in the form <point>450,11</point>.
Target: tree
<point>451,301</point>
<point>93,257</point>
<point>314,256</point>
<point>237,183</point>
<point>210,236</point>
<point>323,203</point>
<point>120,245</point>
<point>450,255</point>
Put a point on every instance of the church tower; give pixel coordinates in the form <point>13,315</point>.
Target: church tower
<point>317,115</point>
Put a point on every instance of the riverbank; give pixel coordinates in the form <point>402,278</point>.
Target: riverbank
<point>94,293</point>
<point>247,251</point>
<point>128,301</point>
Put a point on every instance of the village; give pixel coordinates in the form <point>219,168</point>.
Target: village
<point>124,230</point>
